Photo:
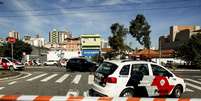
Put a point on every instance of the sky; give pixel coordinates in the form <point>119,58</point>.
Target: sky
<point>30,17</point>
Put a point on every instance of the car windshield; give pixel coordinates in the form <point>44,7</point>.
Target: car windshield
<point>107,68</point>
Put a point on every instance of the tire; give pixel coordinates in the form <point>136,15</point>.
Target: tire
<point>177,92</point>
<point>127,93</point>
<point>11,68</point>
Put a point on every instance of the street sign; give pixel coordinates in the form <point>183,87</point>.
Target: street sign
<point>11,39</point>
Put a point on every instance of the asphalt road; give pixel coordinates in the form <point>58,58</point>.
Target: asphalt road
<point>51,80</point>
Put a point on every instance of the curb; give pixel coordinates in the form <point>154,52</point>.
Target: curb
<point>6,78</point>
<point>14,77</point>
<point>81,98</point>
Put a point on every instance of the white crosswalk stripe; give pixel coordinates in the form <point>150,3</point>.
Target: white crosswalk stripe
<point>36,77</point>
<point>76,79</point>
<point>11,83</point>
<point>2,88</point>
<point>61,79</point>
<point>49,77</point>
<point>193,81</point>
<point>194,86</point>
<point>90,79</point>
<point>72,92</point>
<point>189,90</point>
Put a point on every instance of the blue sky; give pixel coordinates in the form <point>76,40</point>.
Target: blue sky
<point>95,16</point>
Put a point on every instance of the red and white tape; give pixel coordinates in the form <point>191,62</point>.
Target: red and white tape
<point>81,98</point>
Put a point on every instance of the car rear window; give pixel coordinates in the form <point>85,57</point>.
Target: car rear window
<point>107,68</point>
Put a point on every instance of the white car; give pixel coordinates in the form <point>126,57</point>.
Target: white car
<point>50,63</point>
<point>122,78</point>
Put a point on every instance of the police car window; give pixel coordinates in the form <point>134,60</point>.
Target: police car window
<point>159,71</point>
<point>107,68</point>
<point>125,70</point>
<point>143,68</point>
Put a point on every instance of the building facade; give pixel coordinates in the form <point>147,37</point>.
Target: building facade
<point>58,37</point>
<point>90,45</point>
<point>72,44</point>
<point>178,35</point>
<point>14,34</point>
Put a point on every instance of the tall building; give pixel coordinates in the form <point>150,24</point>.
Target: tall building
<point>178,35</point>
<point>57,37</point>
<point>14,34</point>
<point>90,45</point>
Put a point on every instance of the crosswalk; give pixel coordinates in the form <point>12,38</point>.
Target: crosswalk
<point>45,77</point>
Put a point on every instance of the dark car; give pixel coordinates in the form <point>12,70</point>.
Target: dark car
<point>81,64</point>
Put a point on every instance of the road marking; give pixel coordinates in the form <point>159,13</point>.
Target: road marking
<point>85,94</point>
<point>189,90</point>
<point>76,79</point>
<point>2,88</point>
<point>36,77</point>
<point>193,81</point>
<point>11,83</point>
<point>49,77</point>
<point>194,86</point>
<point>60,80</point>
<point>90,79</point>
<point>72,92</point>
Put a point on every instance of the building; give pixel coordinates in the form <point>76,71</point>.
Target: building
<point>178,35</point>
<point>37,41</point>
<point>104,44</point>
<point>90,45</point>
<point>14,34</point>
<point>58,37</point>
<point>72,44</point>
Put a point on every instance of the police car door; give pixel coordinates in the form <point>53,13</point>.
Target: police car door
<point>140,79</point>
<point>123,77</point>
<point>162,80</point>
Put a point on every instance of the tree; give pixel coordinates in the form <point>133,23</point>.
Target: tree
<point>116,41</point>
<point>19,47</point>
<point>191,50</point>
<point>140,29</point>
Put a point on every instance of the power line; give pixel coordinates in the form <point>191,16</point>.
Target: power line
<point>94,6</point>
<point>110,11</point>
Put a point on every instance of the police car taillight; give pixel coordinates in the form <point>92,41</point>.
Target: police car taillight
<point>111,80</point>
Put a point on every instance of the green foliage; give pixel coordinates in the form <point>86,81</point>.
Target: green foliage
<point>18,48</point>
<point>191,51</point>
<point>116,41</point>
<point>140,29</point>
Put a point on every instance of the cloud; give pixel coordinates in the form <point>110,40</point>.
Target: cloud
<point>32,23</point>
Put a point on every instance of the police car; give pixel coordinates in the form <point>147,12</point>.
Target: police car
<point>125,78</point>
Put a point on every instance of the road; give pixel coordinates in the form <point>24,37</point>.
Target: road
<point>51,80</point>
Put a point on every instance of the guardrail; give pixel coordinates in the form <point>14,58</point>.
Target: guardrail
<point>81,98</point>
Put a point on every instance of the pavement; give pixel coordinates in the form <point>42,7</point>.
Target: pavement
<point>55,81</point>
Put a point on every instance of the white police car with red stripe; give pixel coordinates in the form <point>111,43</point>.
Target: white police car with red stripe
<point>135,78</point>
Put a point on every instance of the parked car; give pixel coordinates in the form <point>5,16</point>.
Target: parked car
<point>81,64</point>
<point>135,78</point>
<point>11,64</point>
<point>50,63</point>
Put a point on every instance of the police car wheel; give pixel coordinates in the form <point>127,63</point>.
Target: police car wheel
<point>127,93</point>
<point>177,91</point>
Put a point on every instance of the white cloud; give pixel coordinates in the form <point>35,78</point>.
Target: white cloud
<point>32,23</point>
